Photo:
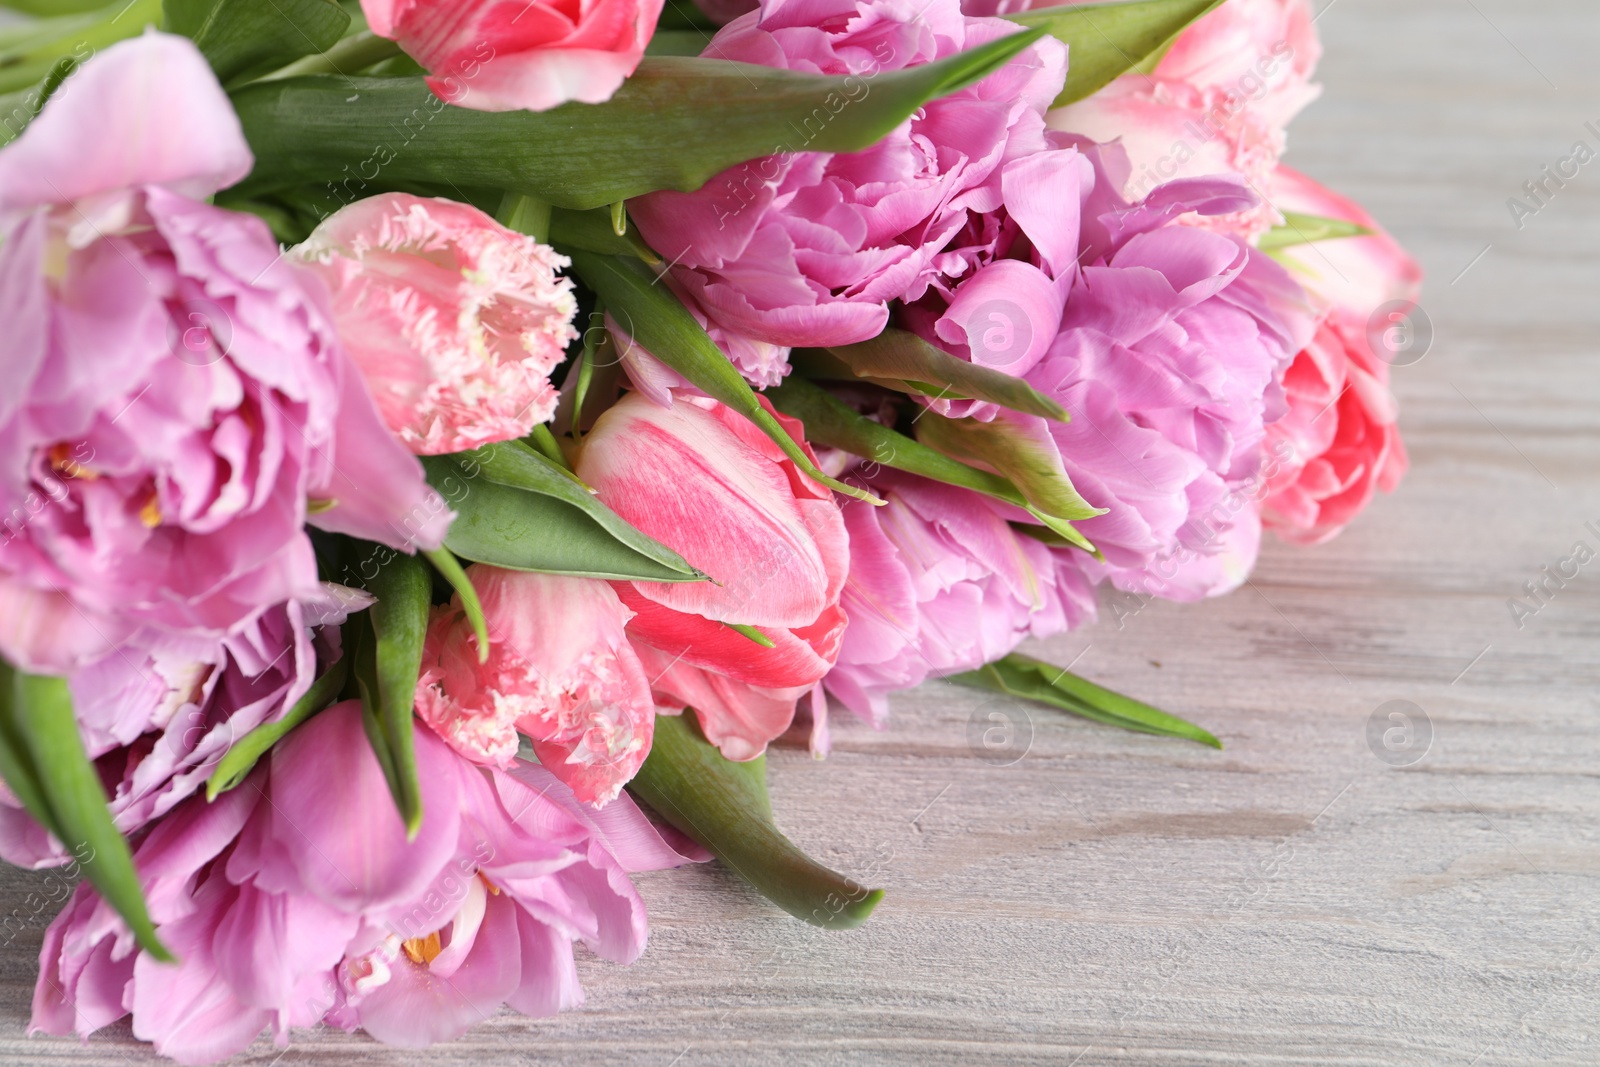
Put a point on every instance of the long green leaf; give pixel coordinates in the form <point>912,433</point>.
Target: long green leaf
<point>1108,40</point>
<point>667,331</point>
<point>1030,679</point>
<point>42,743</point>
<point>724,805</point>
<point>901,359</point>
<point>830,422</point>
<point>1020,450</point>
<point>387,675</point>
<point>444,561</point>
<point>516,509</point>
<point>241,758</point>
<point>245,38</point>
<point>673,125</point>
<point>1299,229</point>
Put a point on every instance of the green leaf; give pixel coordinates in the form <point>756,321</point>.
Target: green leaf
<point>1108,40</point>
<point>673,125</point>
<point>831,422</point>
<point>902,360</point>
<point>45,764</point>
<point>1298,229</point>
<point>724,805</point>
<point>20,108</point>
<point>235,766</point>
<point>243,39</point>
<point>1020,450</point>
<point>657,321</point>
<point>387,667</point>
<point>445,562</point>
<point>30,51</point>
<point>1030,679</point>
<point>516,509</point>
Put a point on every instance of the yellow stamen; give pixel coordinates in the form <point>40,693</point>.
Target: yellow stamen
<point>150,514</point>
<point>423,950</point>
<point>490,886</point>
<point>61,462</point>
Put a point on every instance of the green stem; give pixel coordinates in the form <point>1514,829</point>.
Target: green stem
<point>526,214</point>
<point>350,56</point>
<point>545,443</point>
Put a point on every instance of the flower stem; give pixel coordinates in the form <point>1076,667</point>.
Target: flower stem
<point>526,214</point>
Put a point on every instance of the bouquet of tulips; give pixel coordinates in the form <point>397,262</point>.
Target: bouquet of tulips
<point>445,442</point>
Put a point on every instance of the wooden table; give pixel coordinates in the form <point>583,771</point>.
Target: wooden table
<point>1294,899</point>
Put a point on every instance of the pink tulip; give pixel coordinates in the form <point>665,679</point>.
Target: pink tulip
<point>176,392</point>
<point>296,899</point>
<point>508,55</point>
<point>560,670</point>
<point>1340,441</point>
<point>454,320</point>
<point>1217,103</point>
<point>707,483</point>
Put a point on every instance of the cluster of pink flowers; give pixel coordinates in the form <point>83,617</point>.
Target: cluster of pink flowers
<point>196,415</point>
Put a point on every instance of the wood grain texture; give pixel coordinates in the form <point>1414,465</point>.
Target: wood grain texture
<point>1116,899</point>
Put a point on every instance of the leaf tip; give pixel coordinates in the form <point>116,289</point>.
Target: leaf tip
<point>856,912</point>
<point>152,944</point>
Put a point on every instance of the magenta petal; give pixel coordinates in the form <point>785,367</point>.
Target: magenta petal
<point>181,1007</point>
<point>549,974</point>
<point>636,842</point>
<point>332,812</point>
<point>417,1008</point>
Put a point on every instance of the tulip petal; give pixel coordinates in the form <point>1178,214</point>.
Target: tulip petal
<point>417,1008</point>
<point>360,859</point>
<point>146,111</point>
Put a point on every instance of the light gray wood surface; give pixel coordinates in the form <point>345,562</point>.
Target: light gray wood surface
<point>1293,899</point>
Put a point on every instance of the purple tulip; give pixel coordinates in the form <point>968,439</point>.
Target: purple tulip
<point>296,899</point>
<point>177,404</point>
<point>809,248</point>
<point>157,720</point>
<point>939,584</point>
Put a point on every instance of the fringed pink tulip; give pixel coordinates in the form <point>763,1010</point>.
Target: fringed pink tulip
<point>455,321</point>
<point>1340,442</point>
<point>176,396</point>
<point>296,899</point>
<point>560,670</point>
<point>508,55</point>
<point>707,483</point>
